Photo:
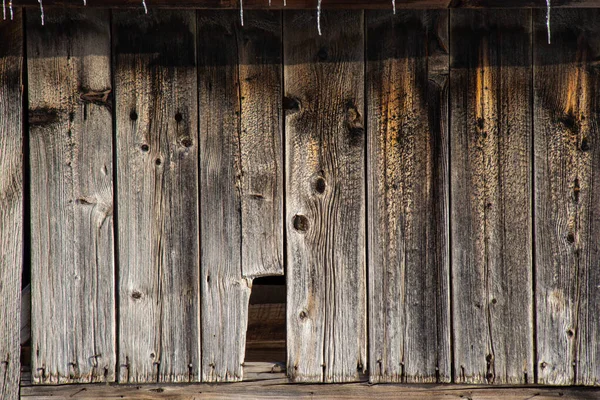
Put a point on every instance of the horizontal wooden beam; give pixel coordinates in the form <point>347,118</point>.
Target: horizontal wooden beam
<point>277,388</point>
<point>312,4</point>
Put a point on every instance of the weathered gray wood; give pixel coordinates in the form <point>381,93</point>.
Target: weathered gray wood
<point>11,203</point>
<point>72,260</point>
<point>325,189</point>
<point>491,210</point>
<point>409,301</point>
<point>157,170</point>
<point>567,193</point>
<point>277,389</point>
<point>260,141</point>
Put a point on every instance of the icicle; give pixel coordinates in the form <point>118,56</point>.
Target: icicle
<point>145,7</point>
<point>4,9</point>
<point>242,11</point>
<point>284,3</point>
<point>394,6</point>
<point>41,10</point>
<point>548,19</point>
<point>85,2</point>
<point>269,3</point>
<point>319,17</point>
<point>10,9</point>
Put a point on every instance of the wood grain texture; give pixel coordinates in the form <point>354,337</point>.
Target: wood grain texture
<point>72,259</point>
<point>325,189</point>
<point>11,203</point>
<point>409,301</point>
<point>491,210</point>
<point>260,141</point>
<point>312,4</point>
<point>567,194</point>
<point>157,171</point>
<point>277,389</point>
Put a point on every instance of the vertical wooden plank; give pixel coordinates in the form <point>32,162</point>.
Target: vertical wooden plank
<point>72,260</point>
<point>241,176</point>
<point>260,141</point>
<point>325,196</point>
<point>409,302</point>
<point>491,195</point>
<point>157,171</point>
<point>11,203</point>
<point>567,182</point>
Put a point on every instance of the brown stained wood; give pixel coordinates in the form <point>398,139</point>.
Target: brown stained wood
<point>157,171</point>
<point>325,189</point>
<point>277,389</point>
<point>491,217</point>
<point>70,138</point>
<point>11,203</point>
<point>260,141</point>
<point>312,4</point>
<point>409,302</point>
<point>567,195</point>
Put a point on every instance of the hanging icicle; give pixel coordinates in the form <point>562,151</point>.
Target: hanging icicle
<point>145,7</point>
<point>10,9</point>
<point>319,17</point>
<point>4,9</point>
<point>85,2</point>
<point>242,11</point>
<point>41,10</point>
<point>394,6</point>
<point>548,19</point>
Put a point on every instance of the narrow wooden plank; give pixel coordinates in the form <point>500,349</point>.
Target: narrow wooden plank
<point>491,213</point>
<point>567,194</point>
<point>409,301</point>
<point>325,189</point>
<point>277,389</point>
<point>260,141</point>
<point>72,260</point>
<point>11,203</point>
<point>312,4</point>
<point>157,170</point>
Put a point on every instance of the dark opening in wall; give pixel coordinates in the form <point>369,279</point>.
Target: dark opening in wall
<point>265,337</point>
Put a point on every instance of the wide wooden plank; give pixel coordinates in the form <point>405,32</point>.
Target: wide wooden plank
<point>241,179</point>
<point>312,4</point>
<point>157,170</point>
<point>325,196</point>
<point>567,194</point>
<point>277,389</point>
<point>260,141</point>
<point>72,260</point>
<point>11,203</point>
<point>409,302</point>
<point>491,210</point>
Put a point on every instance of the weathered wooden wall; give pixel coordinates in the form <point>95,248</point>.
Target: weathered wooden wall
<point>428,182</point>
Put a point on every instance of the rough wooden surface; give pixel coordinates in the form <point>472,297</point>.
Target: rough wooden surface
<point>157,171</point>
<point>225,291</point>
<point>567,195</point>
<point>325,189</point>
<point>276,389</point>
<point>312,4</point>
<point>490,89</point>
<point>260,141</point>
<point>407,83</point>
<point>72,260</point>
<point>11,204</point>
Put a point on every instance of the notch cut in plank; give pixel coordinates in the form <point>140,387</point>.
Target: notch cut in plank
<point>325,154</point>
<point>409,305</point>
<point>157,170</point>
<point>241,176</point>
<point>491,210</point>
<point>72,260</point>
<point>11,203</point>
<point>567,193</point>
